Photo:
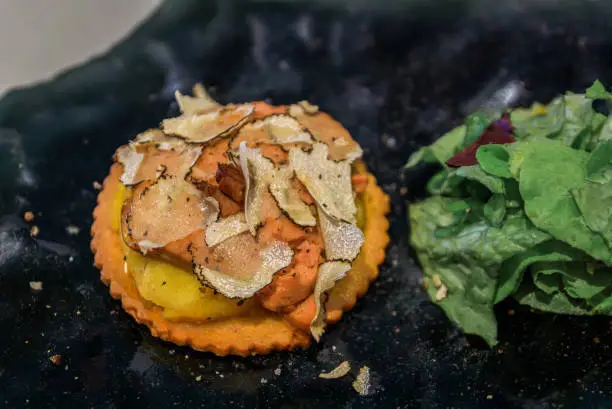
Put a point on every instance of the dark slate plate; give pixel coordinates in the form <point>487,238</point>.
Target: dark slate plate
<point>397,75</point>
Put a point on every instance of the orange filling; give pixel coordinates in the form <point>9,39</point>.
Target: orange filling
<point>183,298</point>
<point>154,210</point>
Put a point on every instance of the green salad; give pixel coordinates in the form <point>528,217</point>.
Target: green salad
<point>521,207</point>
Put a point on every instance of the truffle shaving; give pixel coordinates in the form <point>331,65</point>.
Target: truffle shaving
<point>284,129</point>
<point>199,91</point>
<point>158,139</point>
<point>131,160</point>
<point>164,211</point>
<point>308,108</point>
<point>199,103</point>
<point>361,384</point>
<point>302,108</point>
<point>288,199</point>
<point>200,128</point>
<point>275,129</point>
<point>222,230</point>
<point>329,272</point>
<point>274,257</point>
<point>258,172</point>
<point>354,154</point>
<point>147,245</point>
<point>150,155</point>
<point>338,372</point>
<point>328,182</point>
<point>342,240</point>
<point>175,163</point>
<point>325,129</point>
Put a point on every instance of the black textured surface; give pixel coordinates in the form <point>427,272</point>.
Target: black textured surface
<point>396,79</point>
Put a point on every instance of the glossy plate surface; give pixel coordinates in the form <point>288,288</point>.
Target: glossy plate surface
<point>396,78</point>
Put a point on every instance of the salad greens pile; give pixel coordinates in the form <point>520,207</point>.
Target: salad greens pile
<point>528,217</point>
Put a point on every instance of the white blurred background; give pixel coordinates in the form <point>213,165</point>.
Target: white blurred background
<point>38,38</point>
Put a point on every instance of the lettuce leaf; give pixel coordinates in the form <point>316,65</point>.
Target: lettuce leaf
<point>569,119</point>
<point>557,302</point>
<point>494,159</point>
<point>594,201</point>
<point>578,119</point>
<point>531,220</point>
<point>566,288</point>
<point>475,124</point>
<point>495,210</point>
<point>512,270</point>
<point>549,172</point>
<point>543,123</point>
<point>477,174</point>
<point>441,150</point>
<point>453,182</point>
<point>468,262</point>
<point>597,91</point>
<point>604,134</point>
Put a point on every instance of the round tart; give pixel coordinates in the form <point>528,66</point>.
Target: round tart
<point>240,229</point>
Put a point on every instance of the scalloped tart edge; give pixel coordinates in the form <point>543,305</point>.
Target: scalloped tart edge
<point>245,335</point>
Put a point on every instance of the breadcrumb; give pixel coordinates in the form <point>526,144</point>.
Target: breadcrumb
<point>36,285</point>
<point>72,230</point>
<point>362,382</point>
<point>56,359</point>
<point>441,293</point>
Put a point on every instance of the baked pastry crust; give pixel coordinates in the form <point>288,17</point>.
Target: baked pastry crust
<point>258,333</point>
